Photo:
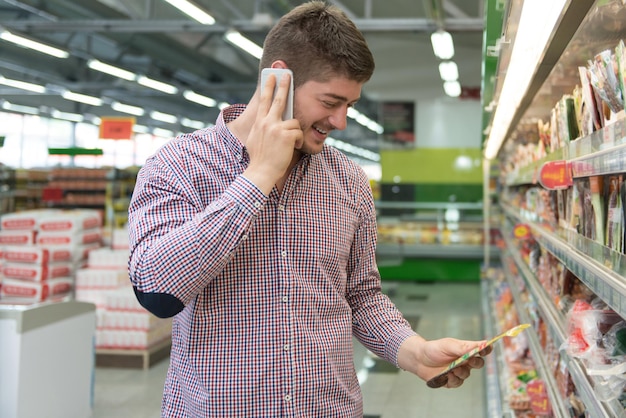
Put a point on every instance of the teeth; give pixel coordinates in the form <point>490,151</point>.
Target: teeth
<point>319,130</point>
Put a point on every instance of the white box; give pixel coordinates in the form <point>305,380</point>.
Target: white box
<point>25,254</point>
<point>70,220</point>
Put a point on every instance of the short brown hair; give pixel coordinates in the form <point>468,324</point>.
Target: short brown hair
<point>318,41</point>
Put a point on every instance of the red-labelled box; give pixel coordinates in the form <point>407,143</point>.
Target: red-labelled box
<point>25,291</point>
<point>23,221</point>
<point>70,220</point>
<point>87,236</point>
<point>27,272</point>
<point>25,254</point>
<point>16,237</point>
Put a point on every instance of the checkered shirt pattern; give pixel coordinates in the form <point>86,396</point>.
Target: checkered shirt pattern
<point>274,287</point>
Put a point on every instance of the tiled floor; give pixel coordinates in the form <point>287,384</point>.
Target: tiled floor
<point>437,309</point>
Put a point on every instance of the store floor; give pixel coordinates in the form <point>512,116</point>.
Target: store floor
<point>435,309</point>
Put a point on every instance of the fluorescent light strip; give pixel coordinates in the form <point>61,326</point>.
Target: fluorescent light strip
<point>195,124</point>
<point>141,129</point>
<point>19,108</point>
<point>163,133</point>
<point>192,11</point>
<point>365,121</point>
<point>536,24</point>
<point>163,117</point>
<point>72,117</point>
<point>192,96</point>
<point>157,85</point>
<point>443,47</point>
<point>448,71</point>
<point>111,70</point>
<point>452,88</point>
<point>353,149</point>
<point>243,43</point>
<point>82,98</point>
<point>124,108</point>
<point>29,43</point>
<point>36,88</point>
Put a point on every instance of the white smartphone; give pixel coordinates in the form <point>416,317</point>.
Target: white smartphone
<point>278,73</point>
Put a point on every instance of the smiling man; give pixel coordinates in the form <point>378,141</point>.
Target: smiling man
<point>260,240</point>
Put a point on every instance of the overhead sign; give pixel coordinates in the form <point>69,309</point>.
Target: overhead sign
<point>116,128</point>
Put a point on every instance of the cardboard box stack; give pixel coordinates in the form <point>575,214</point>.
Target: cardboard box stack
<point>122,323</point>
<point>41,250</point>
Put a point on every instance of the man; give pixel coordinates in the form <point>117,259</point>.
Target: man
<point>261,241</point>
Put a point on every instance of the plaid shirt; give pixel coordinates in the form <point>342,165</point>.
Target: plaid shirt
<point>273,287</point>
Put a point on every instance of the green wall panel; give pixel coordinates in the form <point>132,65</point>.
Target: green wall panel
<point>432,165</point>
<point>445,192</point>
<point>425,269</point>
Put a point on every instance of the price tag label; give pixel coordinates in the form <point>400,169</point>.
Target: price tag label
<point>521,231</point>
<point>556,175</point>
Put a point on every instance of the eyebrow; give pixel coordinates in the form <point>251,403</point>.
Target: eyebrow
<point>340,98</point>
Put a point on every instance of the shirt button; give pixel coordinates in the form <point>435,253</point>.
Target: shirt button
<point>285,299</point>
<point>287,398</point>
<point>257,204</point>
<point>245,237</point>
<point>286,347</point>
<point>283,253</point>
<point>281,207</point>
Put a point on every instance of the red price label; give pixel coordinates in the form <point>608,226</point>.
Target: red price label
<point>556,175</point>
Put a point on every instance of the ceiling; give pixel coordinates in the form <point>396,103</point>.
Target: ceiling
<point>153,38</point>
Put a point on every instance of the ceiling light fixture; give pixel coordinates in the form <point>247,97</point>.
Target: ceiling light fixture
<point>195,124</point>
<point>163,117</point>
<point>82,98</point>
<point>365,121</point>
<point>443,47</point>
<point>448,71</point>
<point>72,117</point>
<point>157,85</point>
<point>192,96</point>
<point>19,108</point>
<point>111,70</point>
<point>243,43</point>
<point>452,88</point>
<point>36,88</point>
<point>163,133</point>
<point>141,129</point>
<point>124,108</point>
<point>353,149</point>
<point>192,11</point>
<point>29,43</point>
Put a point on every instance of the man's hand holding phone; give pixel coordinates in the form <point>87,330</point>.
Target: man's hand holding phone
<point>272,140</point>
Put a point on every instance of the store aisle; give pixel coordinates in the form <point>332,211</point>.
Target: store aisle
<point>435,309</point>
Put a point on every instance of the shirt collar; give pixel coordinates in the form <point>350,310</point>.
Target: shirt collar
<point>227,115</point>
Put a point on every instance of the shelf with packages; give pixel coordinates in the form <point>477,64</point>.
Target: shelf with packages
<point>421,236</point>
<point>107,189</point>
<point>551,302</point>
<point>562,191</point>
<point>29,185</point>
<point>521,386</point>
<point>7,189</point>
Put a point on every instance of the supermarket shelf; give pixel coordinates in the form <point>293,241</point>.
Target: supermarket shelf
<point>558,407</point>
<point>495,368</point>
<point>598,267</point>
<point>603,152</point>
<point>557,327</point>
<point>134,359</point>
<point>432,250</point>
